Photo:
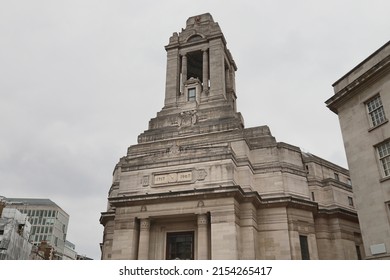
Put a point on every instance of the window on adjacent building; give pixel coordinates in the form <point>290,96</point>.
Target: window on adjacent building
<point>304,247</point>
<point>191,94</point>
<point>376,111</point>
<point>384,157</point>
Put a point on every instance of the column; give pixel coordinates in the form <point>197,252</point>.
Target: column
<point>203,240</point>
<point>217,69</point>
<point>143,251</point>
<point>205,70</point>
<point>172,81</point>
<point>123,233</point>
<point>183,71</point>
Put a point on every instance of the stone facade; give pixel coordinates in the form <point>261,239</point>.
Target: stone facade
<point>362,103</point>
<point>198,185</point>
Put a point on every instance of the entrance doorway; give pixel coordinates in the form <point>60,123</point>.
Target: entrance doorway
<point>180,245</point>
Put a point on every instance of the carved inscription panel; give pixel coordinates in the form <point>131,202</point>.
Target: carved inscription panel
<point>184,176</point>
<point>173,178</point>
<point>179,177</point>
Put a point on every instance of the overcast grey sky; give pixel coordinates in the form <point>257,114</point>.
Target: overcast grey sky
<point>79,80</point>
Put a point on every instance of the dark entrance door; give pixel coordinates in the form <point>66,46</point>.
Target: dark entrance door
<point>180,245</point>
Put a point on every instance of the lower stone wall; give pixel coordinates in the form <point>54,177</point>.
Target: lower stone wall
<point>227,228</point>
<point>338,239</point>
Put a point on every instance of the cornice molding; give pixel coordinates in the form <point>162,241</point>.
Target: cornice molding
<point>367,78</point>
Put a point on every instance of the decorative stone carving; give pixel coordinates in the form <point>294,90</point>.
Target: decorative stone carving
<point>174,150</point>
<point>201,174</point>
<point>187,118</point>
<point>145,181</point>
<point>145,224</point>
<point>175,177</point>
<point>200,203</point>
<point>190,176</point>
<point>202,219</point>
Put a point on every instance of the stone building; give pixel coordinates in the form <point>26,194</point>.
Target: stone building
<point>362,103</point>
<point>199,185</point>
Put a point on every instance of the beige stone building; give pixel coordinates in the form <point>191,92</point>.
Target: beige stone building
<point>199,185</point>
<point>362,103</point>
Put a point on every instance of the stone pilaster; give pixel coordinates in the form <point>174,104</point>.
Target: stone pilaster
<point>183,71</point>
<point>217,69</point>
<point>224,243</point>
<point>124,238</point>
<point>203,241</point>
<point>172,82</point>
<point>143,251</point>
<point>205,70</point>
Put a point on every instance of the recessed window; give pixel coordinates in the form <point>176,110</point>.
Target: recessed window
<point>195,65</point>
<point>384,157</point>
<point>376,111</point>
<point>358,252</point>
<point>180,245</point>
<point>191,94</point>
<point>312,196</point>
<point>350,201</point>
<point>336,176</point>
<point>304,247</point>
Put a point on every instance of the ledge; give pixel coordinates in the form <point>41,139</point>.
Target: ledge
<point>379,125</point>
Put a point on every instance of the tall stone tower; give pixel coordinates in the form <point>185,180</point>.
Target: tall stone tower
<point>200,95</point>
<point>198,185</point>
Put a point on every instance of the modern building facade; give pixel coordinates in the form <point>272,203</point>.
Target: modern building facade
<point>49,221</point>
<point>69,251</point>
<point>362,103</point>
<point>199,185</point>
